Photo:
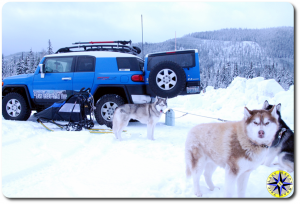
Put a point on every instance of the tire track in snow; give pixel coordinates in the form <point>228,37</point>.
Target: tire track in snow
<point>39,167</point>
<point>17,140</point>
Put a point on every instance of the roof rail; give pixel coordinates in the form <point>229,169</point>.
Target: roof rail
<point>98,46</point>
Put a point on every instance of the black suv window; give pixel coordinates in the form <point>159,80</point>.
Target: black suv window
<point>85,64</point>
<point>185,59</point>
<point>129,64</point>
<point>58,64</point>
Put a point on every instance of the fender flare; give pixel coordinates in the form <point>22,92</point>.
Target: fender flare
<point>19,86</point>
<point>128,97</point>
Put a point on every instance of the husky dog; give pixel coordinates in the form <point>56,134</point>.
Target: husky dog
<point>145,113</point>
<point>239,147</point>
<point>283,145</point>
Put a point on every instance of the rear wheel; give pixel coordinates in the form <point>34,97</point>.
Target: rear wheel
<point>15,107</point>
<point>105,108</point>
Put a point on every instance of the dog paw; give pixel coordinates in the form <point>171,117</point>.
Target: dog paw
<point>216,187</point>
<point>198,193</point>
<point>213,188</point>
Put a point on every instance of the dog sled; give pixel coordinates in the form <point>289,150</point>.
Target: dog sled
<point>75,113</point>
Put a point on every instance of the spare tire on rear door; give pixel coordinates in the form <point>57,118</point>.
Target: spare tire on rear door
<point>167,79</point>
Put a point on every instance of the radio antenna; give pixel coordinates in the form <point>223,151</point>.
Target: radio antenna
<point>142,37</point>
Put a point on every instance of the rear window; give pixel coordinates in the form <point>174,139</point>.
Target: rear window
<point>130,64</point>
<point>185,59</point>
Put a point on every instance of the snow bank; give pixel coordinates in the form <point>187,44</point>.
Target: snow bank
<point>229,103</point>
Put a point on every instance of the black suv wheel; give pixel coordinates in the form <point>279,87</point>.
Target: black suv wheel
<point>14,107</point>
<point>105,108</point>
<point>167,79</point>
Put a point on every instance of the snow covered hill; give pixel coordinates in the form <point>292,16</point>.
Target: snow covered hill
<point>39,163</point>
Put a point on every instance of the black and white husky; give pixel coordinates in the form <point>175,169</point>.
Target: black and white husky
<point>283,145</point>
<point>145,113</point>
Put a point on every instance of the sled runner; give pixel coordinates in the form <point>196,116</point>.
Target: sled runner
<point>76,110</point>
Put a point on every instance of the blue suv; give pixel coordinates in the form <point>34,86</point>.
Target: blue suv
<point>112,70</point>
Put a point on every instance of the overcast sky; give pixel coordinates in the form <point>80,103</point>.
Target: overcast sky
<point>31,25</point>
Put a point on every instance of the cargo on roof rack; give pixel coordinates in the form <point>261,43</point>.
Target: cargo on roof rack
<point>97,42</point>
<point>98,46</point>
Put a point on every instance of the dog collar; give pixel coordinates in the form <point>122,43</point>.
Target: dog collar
<point>262,145</point>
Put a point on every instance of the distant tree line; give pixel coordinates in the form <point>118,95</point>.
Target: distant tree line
<point>25,64</point>
<point>221,78</point>
<point>227,53</point>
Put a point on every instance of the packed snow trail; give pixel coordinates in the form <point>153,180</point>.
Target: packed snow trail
<point>60,164</point>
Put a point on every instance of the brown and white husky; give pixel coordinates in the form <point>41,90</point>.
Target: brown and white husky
<point>238,147</point>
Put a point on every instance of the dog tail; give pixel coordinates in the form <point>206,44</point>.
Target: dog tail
<point>188,162</point>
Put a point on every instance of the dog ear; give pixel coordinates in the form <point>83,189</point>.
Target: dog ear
<point>247,113</point>
<point>156,99</point>
<point>273,111</point>
<point>266,104</point>
<point>278,107</point>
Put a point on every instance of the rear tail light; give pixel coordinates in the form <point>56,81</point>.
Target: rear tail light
<point>137,78</point>
<point>2,83</point>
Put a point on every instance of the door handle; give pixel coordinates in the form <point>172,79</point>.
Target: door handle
<point>66,78</point>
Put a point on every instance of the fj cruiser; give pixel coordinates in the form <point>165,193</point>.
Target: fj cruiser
<point>113,72</point>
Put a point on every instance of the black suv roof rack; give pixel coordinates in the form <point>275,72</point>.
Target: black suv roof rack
<point>99,46</point>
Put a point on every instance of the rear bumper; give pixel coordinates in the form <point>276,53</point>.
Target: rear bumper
<point>183,92</point>
<point>189,84</point>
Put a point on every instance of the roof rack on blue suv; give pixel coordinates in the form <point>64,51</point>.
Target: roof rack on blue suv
<point>100,46</point>
<point>110,69</point>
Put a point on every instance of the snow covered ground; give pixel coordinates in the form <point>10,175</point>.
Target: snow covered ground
<point>38,163</point>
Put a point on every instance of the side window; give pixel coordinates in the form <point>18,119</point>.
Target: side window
<point>129,64</point>
<point>58,64</point>
<point>85,64</point>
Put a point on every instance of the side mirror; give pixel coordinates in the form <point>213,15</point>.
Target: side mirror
<point>42,70</point>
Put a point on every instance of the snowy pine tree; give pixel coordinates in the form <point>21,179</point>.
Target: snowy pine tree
<point>26,65</point>
<point>4,68</point>
<point>217,81</point>
<point>223,77</point>
<point>288,81</point>
<point>272,72</point>
<point>12,67</point>
<point>228,74</point>
<point>251,73</point>
<point>31,63</point>
<point>49,49</point>
<point>20,67</point>
<point>235,71</point>
<point>266,72</point>
<point>280,75</point>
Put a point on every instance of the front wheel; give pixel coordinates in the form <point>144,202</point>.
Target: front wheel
<point>105,108</point>
<point>14,107</point>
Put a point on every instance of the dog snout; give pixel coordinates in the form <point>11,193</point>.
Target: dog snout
<point>261,134</point>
